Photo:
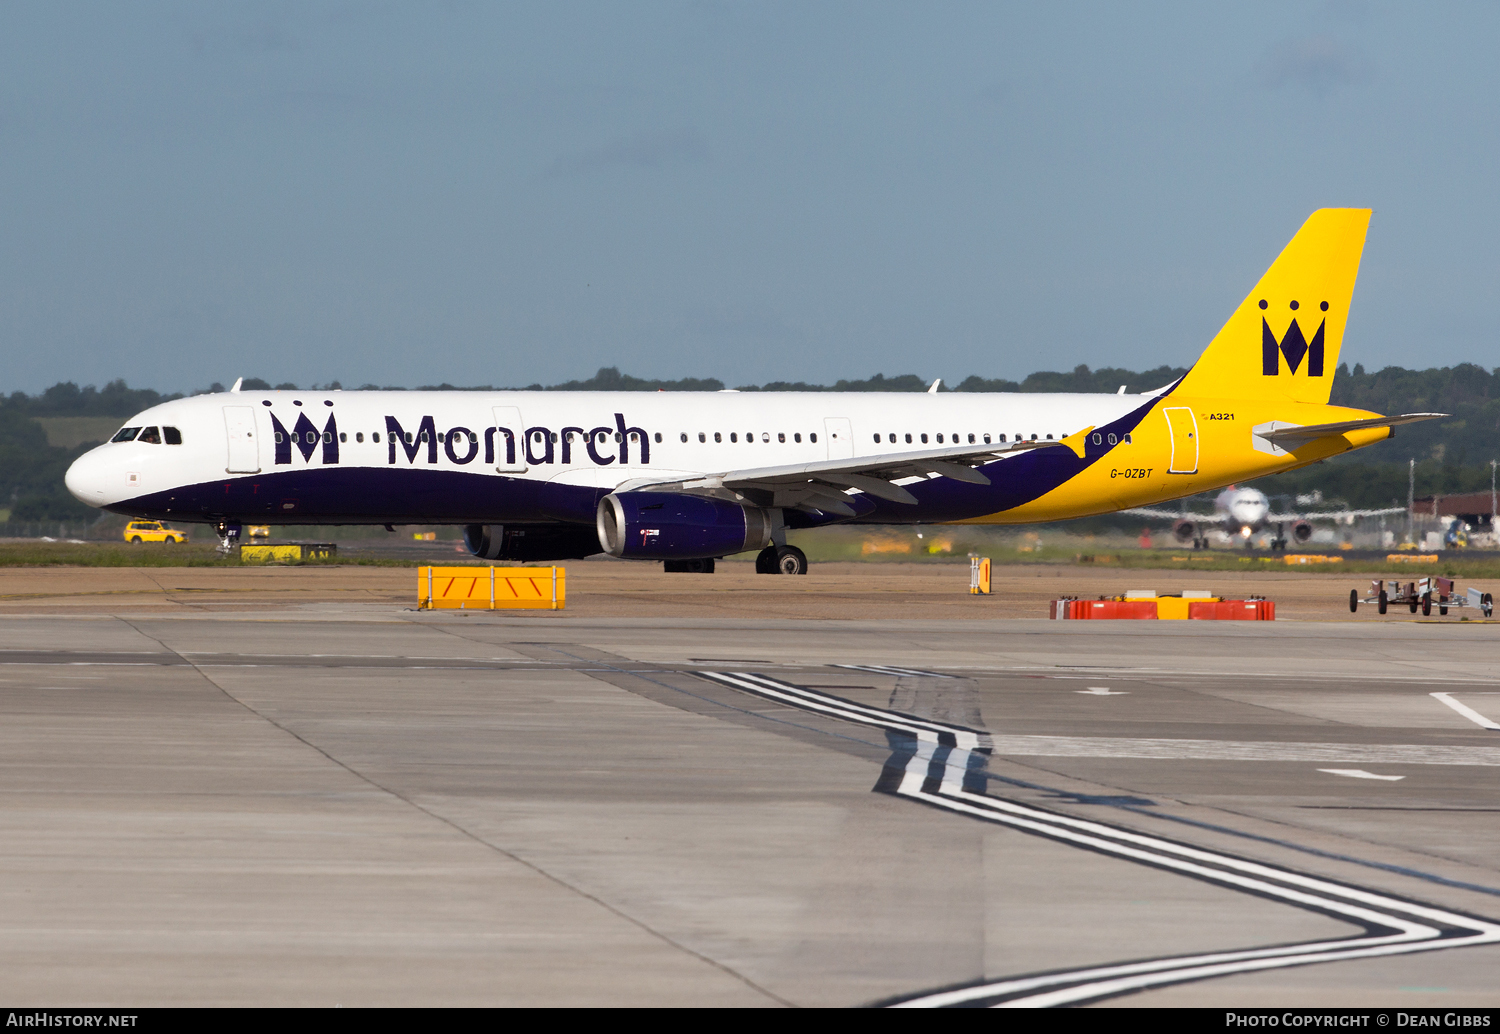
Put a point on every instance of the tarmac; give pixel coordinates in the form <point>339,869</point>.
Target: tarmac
<point>289,787</point>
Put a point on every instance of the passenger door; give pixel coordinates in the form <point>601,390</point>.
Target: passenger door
<point>510,450</point>
<point>244,450</point>
<point>1182,426</point>
<point>840,437</point>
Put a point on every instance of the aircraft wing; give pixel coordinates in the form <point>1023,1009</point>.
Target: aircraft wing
<point>1333,515</point>
<point>1293,436</point>
<point>1175,515</point>
<point>822,485</point>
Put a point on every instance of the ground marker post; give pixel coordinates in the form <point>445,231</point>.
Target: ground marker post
<point>979,575</point>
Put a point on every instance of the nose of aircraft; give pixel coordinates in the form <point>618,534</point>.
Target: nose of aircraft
<point>87,478</point>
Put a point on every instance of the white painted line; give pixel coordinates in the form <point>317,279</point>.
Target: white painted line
<point>1359,773</point>
<point>1468,712</point>
<point>1103,691</point>
<point>1024,745</point>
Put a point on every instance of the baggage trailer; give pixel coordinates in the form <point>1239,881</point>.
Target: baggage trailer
<point>1424,593</point>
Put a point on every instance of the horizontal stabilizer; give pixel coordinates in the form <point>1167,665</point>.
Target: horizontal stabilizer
<point>1292,437</point>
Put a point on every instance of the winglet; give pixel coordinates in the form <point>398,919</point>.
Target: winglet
<point>237,383</point>
<point>933,390</point>
<point>1076,442</point>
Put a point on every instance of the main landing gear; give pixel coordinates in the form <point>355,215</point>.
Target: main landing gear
<point>781,560</point>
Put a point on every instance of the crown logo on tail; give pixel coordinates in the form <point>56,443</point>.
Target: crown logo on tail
<point>1293,345</point>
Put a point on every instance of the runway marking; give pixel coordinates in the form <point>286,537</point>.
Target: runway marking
<point>941,765</point>
<point>1103,691</point>
<point>1233,750</point>
<point>1359,773</point>
<point>887,669</point>
<point>1468,712</point>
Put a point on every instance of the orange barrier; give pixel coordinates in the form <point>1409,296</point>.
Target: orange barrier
<point>491,588</point>
<point>1164,608</point>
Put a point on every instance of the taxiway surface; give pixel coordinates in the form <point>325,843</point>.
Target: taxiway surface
<point>345,802</point>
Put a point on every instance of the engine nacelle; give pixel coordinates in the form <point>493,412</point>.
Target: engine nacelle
<point>1302,531</point>
<point>668,526</point>
<point>1184,531</point>
<point>531,542</point>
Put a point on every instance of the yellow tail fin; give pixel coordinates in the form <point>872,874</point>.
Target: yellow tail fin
<point>1283,341</point>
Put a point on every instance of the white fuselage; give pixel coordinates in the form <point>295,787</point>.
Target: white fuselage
<point>508,455</point>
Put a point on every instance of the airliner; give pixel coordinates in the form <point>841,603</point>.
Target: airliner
<point>1244,511</point>
<point>687,478</point>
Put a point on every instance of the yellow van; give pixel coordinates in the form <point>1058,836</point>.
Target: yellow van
<point>153,531</point>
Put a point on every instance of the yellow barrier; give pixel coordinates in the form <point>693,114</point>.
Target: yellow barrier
<point>1411,558</point>
<point>1311,558</point>
<point>491,588</point>
<point>287,554</point>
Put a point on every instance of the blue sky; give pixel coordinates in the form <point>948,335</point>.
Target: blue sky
<point>490,193</point>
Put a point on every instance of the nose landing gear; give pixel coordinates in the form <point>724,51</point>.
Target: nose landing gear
<point>229,536</point>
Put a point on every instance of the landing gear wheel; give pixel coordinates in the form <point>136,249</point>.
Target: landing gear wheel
<point>765,561</point>
<point>790,560</point>
<point>1383,602</point>
<point>1354,601</point>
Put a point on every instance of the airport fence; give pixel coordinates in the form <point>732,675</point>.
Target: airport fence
<point>50,529</point>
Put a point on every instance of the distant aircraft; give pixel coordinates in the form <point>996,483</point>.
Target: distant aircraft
<point>1244,511</point>
<point>688,477</point>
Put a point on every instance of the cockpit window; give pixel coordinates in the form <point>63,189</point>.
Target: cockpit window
<point>151,435</point>
<point>172,435</point>
<point>126,434</point>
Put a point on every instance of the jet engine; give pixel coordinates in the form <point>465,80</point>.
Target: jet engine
<point>1184,531</point>
<point>537,542</point>
<point>1302,531</point>
<point>668,526</point>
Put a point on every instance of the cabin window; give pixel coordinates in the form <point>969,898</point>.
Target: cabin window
<point>328,437</point>
<point>940,438</point>
<point>877,439</point>
<point>359,436</point>
<point>780,436</point>
<point>971,439</point>
<point>1127,439</point>
<point>701,437</point>
<point>151,435</point>
<point>474,438</point>
<point>908,439</point>
<point>635,437</point>
<point>408,437</point>
<point>1098,438</point>
<point>1112,439</point>
<point>172,435</point>
<point>1033,437</point>
<point>812,437</point>
<point>126,434</point>
<point>424,436</point>
<point>734,436</point>
<point>684,436</point>
<point>278,437</point>
<point>1049,438</point>
<point>797,437</point>
<point>718,437</point>
<point>987,439</point>
<point>749,436</point>
<point>924,439</point>
<point>619,437</point>
<point>658,437</point>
